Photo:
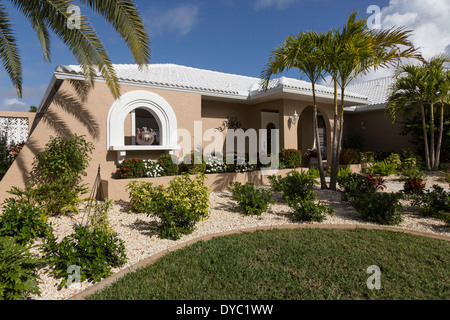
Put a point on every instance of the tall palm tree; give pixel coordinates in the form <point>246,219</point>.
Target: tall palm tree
<point>303,52</point>
<point>423,86</point>
<point>355,50</point>
<point>47,16</point>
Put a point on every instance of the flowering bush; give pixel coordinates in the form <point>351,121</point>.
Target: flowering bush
<point>131,168</point>
<point>241,163</point>
<point>350,156</point>
<point>290,158</point>
<point>215,164</point>
<point>170,168</point>
<point>153,169</point>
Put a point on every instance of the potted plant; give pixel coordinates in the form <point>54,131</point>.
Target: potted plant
<point>311,155</point>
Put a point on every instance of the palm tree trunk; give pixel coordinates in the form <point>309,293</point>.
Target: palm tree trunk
<point>323,183</point>
<point>333,180</point>
<point>432,154</point>
<point>425,135</point>
<point>439,144</point>
<point>335,169</point>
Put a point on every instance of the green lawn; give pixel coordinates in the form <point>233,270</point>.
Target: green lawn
<point>294,264</point>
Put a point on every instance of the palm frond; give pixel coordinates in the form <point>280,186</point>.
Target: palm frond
<point>9,52</point>
<point>126,20</point>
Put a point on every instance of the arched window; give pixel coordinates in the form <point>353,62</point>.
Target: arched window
<point>148,110</point>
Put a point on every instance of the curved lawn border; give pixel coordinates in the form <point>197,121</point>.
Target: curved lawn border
<point>153,258</point>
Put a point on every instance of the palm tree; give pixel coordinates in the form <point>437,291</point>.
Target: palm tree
<point>421,86</point>
<point>47,16</point>
<point>354,51</point>
<point>303,52</point>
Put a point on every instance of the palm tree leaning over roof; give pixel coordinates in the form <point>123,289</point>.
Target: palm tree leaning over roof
<point>47,16</point>
<point>304,52</point>
<point>354,51</point>
<point>423,86</point>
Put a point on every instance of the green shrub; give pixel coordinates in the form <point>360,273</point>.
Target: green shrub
<point>314,173</point>
<point>367,157</point>
<point>95,252</point>
<point>5,156</point>
<point>131,168</point>
<point>293,185</point>
<point>349,156</point>
<point>23,221</point>
<point>344,172</point>
<point>18,276</point>
<point>252,201</point>
<point>394,159</point>
<point>57,175</point>
<point>433,203</point>
<point>355,185</point>
<point>180,206</point>
<point>290,158</point>
<point>98,218</point>
<point>383,168</point>
<point>307,209</point>
<point>379,207</point>
<point>193,164</point>
<point>166,162</point>
<point>239,163</point>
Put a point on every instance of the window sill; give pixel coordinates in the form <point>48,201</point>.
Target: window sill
<point>144,148</point>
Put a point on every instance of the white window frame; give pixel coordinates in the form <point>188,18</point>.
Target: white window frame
<point>156,105</point>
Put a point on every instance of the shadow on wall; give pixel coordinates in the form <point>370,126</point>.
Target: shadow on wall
<point>54,119</point>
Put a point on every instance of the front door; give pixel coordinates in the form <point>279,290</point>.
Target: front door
<point>269,121</point>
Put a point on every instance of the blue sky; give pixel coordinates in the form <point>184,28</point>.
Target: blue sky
<point>233,36</point>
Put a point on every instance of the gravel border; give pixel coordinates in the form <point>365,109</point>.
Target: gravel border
<point>141,243</point>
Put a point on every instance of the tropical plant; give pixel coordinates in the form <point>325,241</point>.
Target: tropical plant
<point>413,185</point>
<point>343,55</point>
<point>383,168</point>
<point>423,87</point>
<point>305,53</point>
<point>433,203</point>
<point>18,270</point>
<point>380,207</point>
<point>307,209</point>
<point>98,218</point>
<point>75,31</point>
<point>353,51</point>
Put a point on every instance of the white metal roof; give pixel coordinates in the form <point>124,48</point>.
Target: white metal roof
<point>208,82</point>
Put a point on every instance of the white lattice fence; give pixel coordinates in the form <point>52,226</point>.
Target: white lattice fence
<point>15,129</point>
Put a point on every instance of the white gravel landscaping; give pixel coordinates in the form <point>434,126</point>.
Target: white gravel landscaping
<point>141,242</point>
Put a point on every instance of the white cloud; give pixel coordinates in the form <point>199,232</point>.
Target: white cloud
<point>179,19</point>
<point>13,104</point>
<point>429,21</point>
<point>279,4</point>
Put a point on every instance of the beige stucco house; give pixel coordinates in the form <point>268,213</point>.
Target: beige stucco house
<point>169,98</point>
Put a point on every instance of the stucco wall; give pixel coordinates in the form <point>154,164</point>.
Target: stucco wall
<point>379,133</point>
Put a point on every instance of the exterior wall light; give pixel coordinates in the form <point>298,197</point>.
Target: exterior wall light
<point>294,119</point>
